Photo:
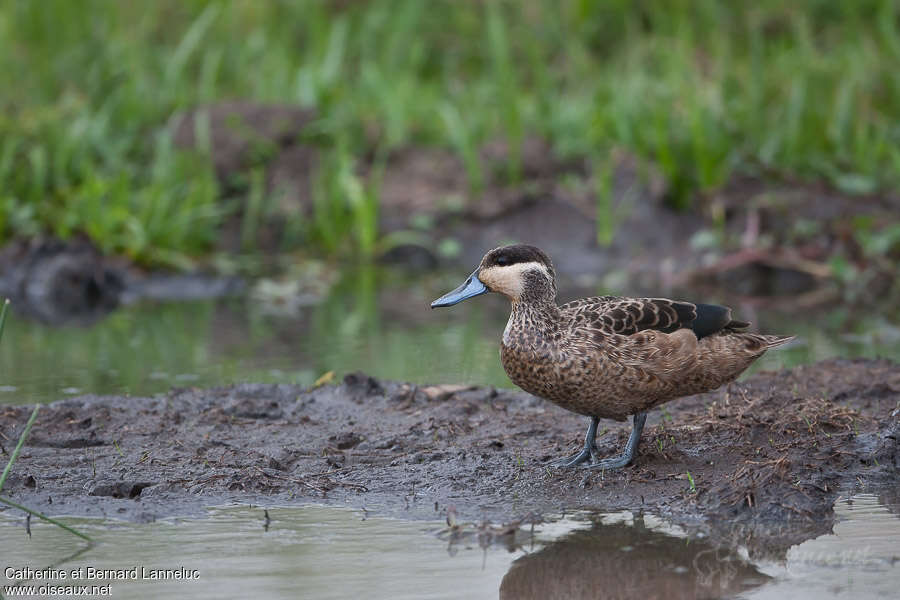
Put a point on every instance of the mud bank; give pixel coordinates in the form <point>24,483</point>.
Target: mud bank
<point>760,462</point>
<point>71,282</point>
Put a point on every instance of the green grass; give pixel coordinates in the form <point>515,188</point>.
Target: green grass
<point>703,90</point>
<point>805,92</point>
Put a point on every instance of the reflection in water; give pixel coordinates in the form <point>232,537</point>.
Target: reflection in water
<point>619,560</point>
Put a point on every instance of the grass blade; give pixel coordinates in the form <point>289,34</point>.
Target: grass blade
<point>15,453</point>
<point>44,517</point>
<point>3,316</point>
<point>190,42</point>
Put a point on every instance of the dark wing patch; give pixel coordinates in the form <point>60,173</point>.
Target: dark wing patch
<point>710,319</point>
<point>627,316</point>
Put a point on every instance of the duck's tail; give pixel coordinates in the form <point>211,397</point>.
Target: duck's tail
<point>748,345</point>
<point>773,341</point>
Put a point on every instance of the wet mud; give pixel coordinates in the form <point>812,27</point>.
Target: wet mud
<point>758,463</point>
<point>72,282</point>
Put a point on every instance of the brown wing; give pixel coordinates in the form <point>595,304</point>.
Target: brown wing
<point>627,316</point>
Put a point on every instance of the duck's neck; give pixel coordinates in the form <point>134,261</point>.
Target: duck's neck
<point>538,290</point>
<point>533,317</point>
<point>534,309</point>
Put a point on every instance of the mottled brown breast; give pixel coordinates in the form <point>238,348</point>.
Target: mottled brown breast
<point>534,372</point>
<point>580,383</point>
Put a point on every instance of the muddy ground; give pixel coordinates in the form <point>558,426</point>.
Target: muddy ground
<point>759,461</point>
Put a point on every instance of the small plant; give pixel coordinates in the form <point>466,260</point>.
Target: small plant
<point>345,206</point>
<point>809,424</point>
<point>505,79</point>
<point>690,478</point>
<point>606,221</point>
<point>462,139</point>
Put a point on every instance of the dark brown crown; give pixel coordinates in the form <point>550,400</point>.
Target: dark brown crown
<point>517,253</point>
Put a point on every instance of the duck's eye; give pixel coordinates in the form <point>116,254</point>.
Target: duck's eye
<point>502,261</point>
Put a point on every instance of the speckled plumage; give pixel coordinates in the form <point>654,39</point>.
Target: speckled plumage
<point>608,357</point>
<point>611,357</point>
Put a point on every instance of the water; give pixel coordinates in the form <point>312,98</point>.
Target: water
<point>861,559</point>
<point>377,321</point>
<point>326,552</point>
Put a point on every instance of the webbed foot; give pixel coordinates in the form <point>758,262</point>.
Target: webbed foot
<point>587,454</point>
<point>579,458</point>
<point>613,462</point>
<point>588,458</point>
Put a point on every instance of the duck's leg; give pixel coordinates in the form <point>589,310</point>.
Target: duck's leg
<point>586,453</point>
<point>617,462</point>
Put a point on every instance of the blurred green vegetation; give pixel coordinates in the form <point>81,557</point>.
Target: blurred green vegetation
<point>702,89</point>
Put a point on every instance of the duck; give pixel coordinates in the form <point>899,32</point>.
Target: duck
<point>607,357</point>
<point>586,564</point>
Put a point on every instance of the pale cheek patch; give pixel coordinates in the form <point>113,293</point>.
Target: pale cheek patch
<point>509,280</point>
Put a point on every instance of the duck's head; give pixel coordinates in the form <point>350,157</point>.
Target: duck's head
<point>519,272</point>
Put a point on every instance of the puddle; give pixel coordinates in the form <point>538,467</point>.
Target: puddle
<point>378,322</point>
<point>861,559</point>
<point>327,552</point>
<point>309,552</point>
